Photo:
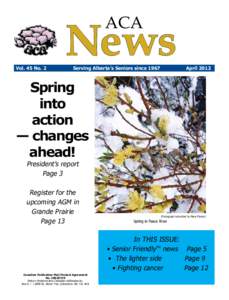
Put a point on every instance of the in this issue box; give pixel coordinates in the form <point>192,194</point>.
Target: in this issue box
<point>156,257</point>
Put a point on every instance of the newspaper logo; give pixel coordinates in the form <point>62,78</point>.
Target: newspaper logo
<point>36,40</point>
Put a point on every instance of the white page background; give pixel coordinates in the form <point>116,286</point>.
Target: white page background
<point>26,246</point>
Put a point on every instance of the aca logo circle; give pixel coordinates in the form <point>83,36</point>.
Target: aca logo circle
<point>36,40</point>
